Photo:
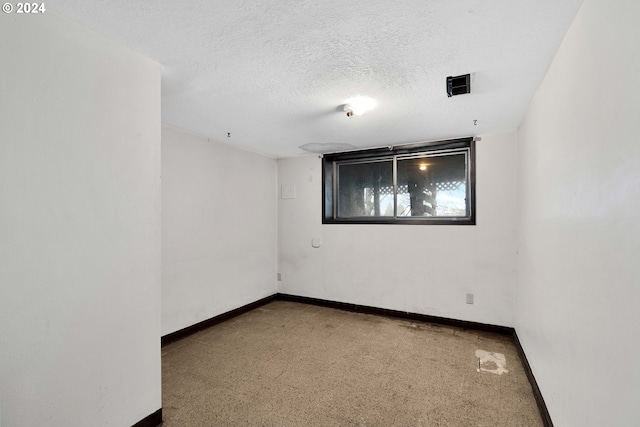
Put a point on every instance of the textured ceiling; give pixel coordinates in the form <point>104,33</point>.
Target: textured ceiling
<point>275,73</point>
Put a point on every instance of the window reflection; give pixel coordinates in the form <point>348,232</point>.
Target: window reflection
<point>432,186</point>
<point>365,189</point>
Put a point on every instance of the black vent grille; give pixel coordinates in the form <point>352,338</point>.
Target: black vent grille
<point>458,85</point>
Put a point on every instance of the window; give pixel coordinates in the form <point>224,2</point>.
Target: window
<point>430,183</point>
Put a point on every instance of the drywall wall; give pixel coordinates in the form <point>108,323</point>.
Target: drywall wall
<point>218,228</point>
<point>425,269</point>
<point>578,222</point>
<point>79,227</point>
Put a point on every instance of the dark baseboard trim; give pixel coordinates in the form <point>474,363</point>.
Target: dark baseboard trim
<point>542,407</point>
<point>356,308</point>
<point>190,330</point>
<point>463,324</point>
<point>153,420</point>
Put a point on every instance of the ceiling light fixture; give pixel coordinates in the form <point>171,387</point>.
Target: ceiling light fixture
<point>358,105</point>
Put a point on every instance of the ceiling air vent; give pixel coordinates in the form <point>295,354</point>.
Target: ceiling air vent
<point>458,85</point>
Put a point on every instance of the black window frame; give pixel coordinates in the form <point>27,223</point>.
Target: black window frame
<point>329,181</point>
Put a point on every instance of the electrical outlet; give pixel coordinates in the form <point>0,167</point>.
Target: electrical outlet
<point>469,298</point>
<point>279,277</point>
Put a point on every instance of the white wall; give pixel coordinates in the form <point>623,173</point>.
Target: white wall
<point>579,222</point>
<point>425,269</point>
<point>79,227</point>
<point>218,228</point>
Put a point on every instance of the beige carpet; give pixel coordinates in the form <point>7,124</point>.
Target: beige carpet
<point>291,364</point>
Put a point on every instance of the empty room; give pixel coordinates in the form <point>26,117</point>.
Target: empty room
<point>366,213</point>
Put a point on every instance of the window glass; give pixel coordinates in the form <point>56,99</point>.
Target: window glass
<point>365,189</point>
<point>432,186</point>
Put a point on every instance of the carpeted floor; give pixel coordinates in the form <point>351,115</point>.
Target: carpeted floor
<point>291,364</point>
